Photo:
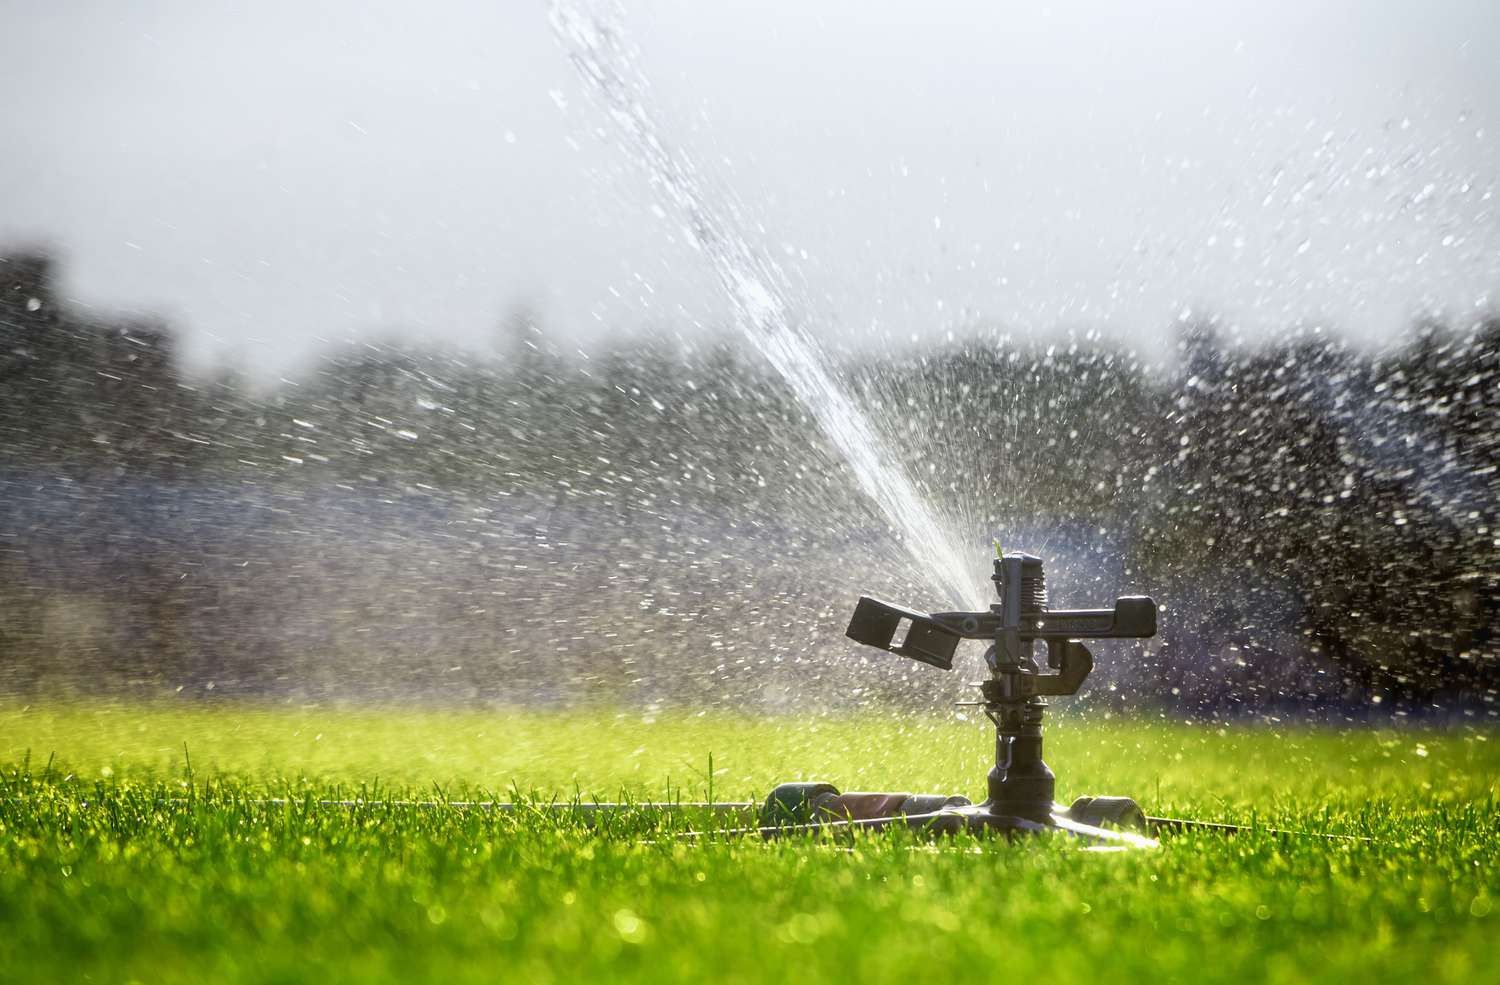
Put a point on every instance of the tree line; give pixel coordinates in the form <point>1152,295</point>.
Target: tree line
<point>1297,497</point>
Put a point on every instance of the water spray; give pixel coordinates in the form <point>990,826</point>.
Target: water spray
<point>755,286</point>
<point>1020,787</point>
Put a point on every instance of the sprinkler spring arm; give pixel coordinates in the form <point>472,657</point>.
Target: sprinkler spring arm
<point>933,639</point>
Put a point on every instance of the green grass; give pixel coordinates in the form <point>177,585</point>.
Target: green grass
<point>119,864</point>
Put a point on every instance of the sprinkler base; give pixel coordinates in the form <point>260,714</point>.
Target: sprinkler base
<point>808,808</point>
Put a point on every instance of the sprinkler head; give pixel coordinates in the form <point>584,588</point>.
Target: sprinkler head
<point>1013,625</point>
<point>1021,785</point>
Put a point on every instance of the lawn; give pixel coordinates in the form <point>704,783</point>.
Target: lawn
<point>136,845</point>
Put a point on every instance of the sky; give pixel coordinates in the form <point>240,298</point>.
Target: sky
<point>273,176</point>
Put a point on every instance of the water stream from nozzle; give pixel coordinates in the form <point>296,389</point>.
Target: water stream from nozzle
<point>756,286</point>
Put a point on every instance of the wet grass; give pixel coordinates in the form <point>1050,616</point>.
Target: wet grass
<point>120,861</point>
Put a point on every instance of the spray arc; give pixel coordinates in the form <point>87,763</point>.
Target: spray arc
<point>1021,786</point>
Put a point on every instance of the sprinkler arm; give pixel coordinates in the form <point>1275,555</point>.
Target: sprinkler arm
<point>933,639</point>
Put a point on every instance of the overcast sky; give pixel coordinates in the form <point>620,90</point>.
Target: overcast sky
<point>270,174</point>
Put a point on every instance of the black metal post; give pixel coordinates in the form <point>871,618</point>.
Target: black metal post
<point>1020,784</point>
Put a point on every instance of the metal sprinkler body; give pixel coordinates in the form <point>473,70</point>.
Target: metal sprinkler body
<point>1020,787</point>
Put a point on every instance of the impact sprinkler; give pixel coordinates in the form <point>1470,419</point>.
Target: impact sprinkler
<point>1020,786</point>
